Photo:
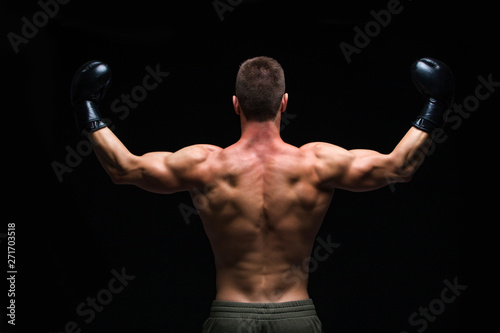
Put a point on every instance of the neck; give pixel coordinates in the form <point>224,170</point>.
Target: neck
<point>261,132</point>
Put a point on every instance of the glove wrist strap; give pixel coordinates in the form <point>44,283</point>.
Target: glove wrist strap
<point>88,117</point>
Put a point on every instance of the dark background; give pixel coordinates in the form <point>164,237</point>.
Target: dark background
<point>398,244</point>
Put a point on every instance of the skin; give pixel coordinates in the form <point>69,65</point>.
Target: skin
<point>261,200</point>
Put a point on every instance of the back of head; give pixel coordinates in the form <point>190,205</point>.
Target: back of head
<point>260,85</point>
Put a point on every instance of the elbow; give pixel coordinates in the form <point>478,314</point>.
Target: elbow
<point>405,173</point>
<point>405,178</point>
<point>117,180</point>
<point>407,169</point>
<point>117,177</point>
<point>398,177</point>
<point>402,172</point>
<point>121,173</point>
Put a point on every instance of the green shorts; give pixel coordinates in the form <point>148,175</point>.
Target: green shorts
<point>286,317</point>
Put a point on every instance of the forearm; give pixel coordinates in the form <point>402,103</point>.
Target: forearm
<point>434,80</point>
<point>410,152</point>
<point>111,153</point>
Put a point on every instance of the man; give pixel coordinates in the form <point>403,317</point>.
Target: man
<point>262,200</point>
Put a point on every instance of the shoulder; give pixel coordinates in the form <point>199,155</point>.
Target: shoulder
<point>192,156</point>
<point>198,152</point>
<point>329,160</point>
<point>325,151</point>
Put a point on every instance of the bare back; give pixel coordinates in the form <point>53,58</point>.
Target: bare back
<point>261,200</point>
<point>261,206</point>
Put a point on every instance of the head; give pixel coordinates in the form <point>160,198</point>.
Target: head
<point>260,89</point>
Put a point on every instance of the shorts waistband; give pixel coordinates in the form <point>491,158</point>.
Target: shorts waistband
<point>263,311</point>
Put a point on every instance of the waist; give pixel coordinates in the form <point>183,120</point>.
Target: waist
<point>238,286</point>
<point>263,311</point>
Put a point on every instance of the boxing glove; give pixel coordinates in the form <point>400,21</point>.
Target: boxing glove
<point>434,80</point>
<point>87,90</point>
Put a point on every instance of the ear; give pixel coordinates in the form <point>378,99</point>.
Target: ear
<point>236,105</point>
<point>284,102</point>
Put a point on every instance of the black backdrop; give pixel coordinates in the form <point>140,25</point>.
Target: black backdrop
<point>75,230</point>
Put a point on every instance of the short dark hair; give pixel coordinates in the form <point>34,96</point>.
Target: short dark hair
<point>260,85</point>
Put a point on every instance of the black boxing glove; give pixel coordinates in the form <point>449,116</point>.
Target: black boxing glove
<point>434,80</point>
<point>87,90</point>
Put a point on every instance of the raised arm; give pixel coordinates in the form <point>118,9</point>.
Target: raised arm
<point>364,170</point>
<point>159,172</point>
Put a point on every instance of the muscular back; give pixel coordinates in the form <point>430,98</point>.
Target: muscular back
<point>261,206</point>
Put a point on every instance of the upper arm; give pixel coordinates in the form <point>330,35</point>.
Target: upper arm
<point>354,170</point>
<point>166,172</point>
